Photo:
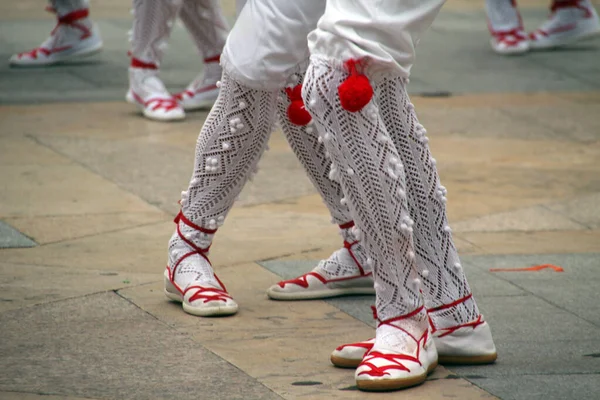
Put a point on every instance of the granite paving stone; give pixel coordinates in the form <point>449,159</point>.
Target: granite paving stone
<point>10,237</point>
<point>105,347</point>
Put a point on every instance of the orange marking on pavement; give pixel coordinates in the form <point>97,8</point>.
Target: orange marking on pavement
<point>534,268</point>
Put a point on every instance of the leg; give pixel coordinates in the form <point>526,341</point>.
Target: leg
<point>371,171</point>
<point>229,146</point>
<point>345,271</point>
<point>208,28</point>
<point>74,36</point>
<point>373,180</point>
<point>152,24</point>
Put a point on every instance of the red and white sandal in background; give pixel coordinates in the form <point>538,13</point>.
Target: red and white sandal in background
<point>149,94</point>
<point>506,27</point>
<point>569,21</point>
<point>74,36</point>
<point>203,91</point>
<point>345,272</point>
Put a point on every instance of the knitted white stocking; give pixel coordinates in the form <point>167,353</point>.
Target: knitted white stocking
<point>229,147</point>
<point>304,141</point>
<point>446,290</point>
<point>64,7</point>
<point>503,15</point>
<point>373,180</point>
<point>206,24</point>
<point>152,25</point>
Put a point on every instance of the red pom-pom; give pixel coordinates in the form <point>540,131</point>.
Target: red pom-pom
<point>297,113</point>
<point>294,93</point>
<point>355,93</point>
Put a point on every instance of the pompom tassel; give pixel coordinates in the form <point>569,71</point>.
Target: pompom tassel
<point>296,111</point>
<point>356,91</point>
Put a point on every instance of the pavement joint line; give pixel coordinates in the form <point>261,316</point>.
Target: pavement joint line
<point>87,168</point>
<point>48,394</point>
<point>188,335</point>
<point>500,376</point>
<point>567,72</point>
<point>51,302</point>
<point>102,233</point>
<point>563,214</point>
<point>499,276</point>
<point>120,295</point>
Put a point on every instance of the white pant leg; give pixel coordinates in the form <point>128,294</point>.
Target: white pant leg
<point>268,41</point>
<point>206,24</point>
<point>383,33</point>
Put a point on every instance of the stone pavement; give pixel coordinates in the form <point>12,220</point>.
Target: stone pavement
<point>88,190</point>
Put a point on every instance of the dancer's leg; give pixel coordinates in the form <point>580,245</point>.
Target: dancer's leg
<point>346,271</point>
<point>371,172</point>
<point>229,146</point>
<point>208,28</point>
<point>152,25</point>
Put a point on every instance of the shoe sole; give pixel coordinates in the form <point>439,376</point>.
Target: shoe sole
<point>566,42</point>
<point>467,360</point>
<point>342,362</point>
<point>315,295</point>
<point>394,384</point>
<point>71,57</point>
<point>204,312</point>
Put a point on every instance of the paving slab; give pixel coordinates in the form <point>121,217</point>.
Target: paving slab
<point>11,238</point>
<point>574,290</point>
<point>36,396</point>
<point>23,285</point>
<point>526,219</point>
<point>542,387</point>
<point>585,210</point>
<point>105,347</point>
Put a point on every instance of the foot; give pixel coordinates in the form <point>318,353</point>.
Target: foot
<point>149,94</point>
<point>467,344</point>
<point>73,37</point>
<point>341,274</point>
<point>569,21</point>
<point>506,27</point>
<point>402,355</point>
<point>189,277</point>
<point>202,92</point>
<point>511,42</point>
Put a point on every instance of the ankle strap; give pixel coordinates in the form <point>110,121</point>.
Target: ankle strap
<point>450,305</point>
<point>73,16</point>
<point>390,320</point>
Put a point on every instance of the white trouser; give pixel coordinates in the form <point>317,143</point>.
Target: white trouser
<point>383,34</point>
<point>268,41</point>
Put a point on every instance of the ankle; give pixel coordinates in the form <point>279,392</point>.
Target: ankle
<point>404,330</point>
<point>503,16</point>
<point>137,63</point>
<point>450,315</point>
